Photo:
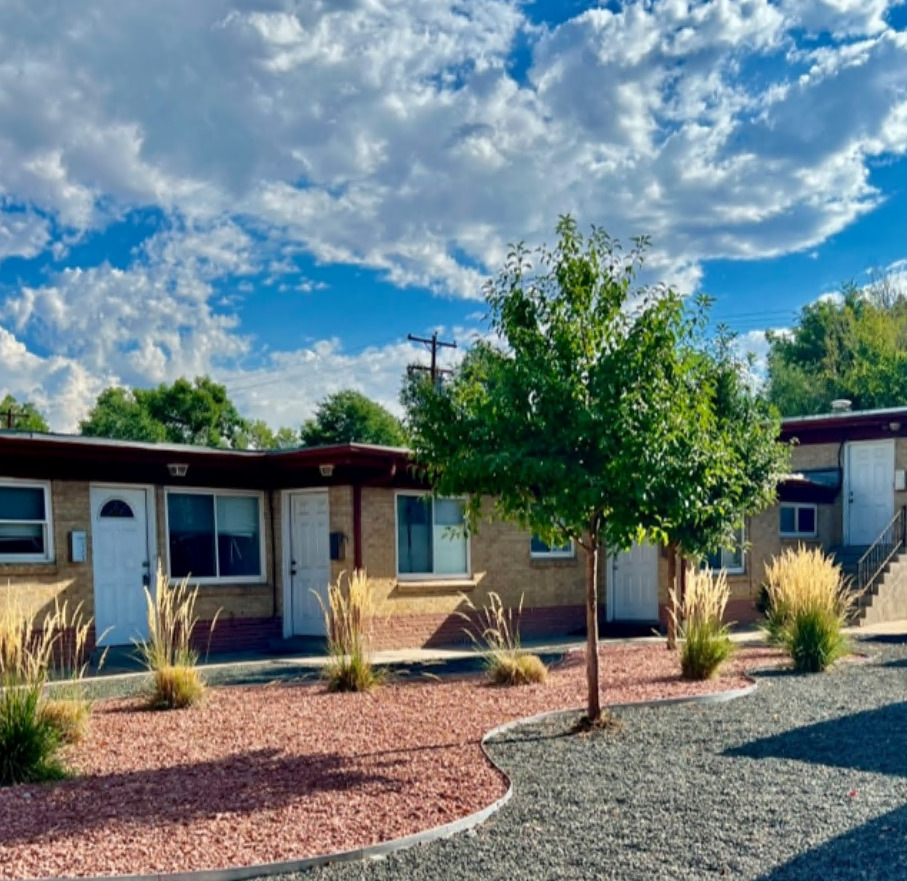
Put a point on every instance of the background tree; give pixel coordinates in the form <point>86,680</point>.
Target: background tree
<point>198,412</point>
<point>260,436</point>
<point>852,347</point>
<point>23,415</point>
<point>350,417</point>
<point>603,416</point>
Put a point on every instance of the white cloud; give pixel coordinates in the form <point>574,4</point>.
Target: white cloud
<point>395,135</point>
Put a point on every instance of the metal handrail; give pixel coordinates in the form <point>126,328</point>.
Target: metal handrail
<point>890,541</point>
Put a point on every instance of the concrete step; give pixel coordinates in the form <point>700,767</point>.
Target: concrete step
<point>298,645</point>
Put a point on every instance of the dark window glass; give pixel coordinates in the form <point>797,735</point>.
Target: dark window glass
<point>414,535</point>
<point>807,520</point>
<point>788,519</point>
<point>21,503</point>
<point>192,541</point>
<point>238,539</point>
<point>117,508</point>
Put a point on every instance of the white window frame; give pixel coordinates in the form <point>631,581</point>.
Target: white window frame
<point>553,554</point>
<point>734,570</point>
<point>47,523</point>
<point>207,491</point>
<point>428,576</point>
<point>796,506</point>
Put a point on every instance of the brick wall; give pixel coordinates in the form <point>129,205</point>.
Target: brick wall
<point>34,587</point>
<point>425,613</point>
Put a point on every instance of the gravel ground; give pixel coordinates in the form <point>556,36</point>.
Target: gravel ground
<point>259,774</point>
<point>804,780</point>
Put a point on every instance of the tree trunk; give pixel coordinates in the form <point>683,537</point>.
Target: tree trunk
<point>672,586</point>
<point>594,701</point>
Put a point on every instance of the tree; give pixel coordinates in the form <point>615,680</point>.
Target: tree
<point>23,416</point>
<point>260,436</point>
<point>603,415</point>
<point>350,417</point>
<point>198,412</point>
<point>853,346</point>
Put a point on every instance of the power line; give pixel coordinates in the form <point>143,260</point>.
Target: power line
<point>434,344</point>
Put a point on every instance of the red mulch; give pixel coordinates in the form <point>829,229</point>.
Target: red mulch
<point>270,773</point>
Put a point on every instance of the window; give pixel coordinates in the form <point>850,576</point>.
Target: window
<point>118,509</point>
<point>431,537</point>
<point>215,536</point>
<point>798,520</point>
<point>730,559</point>
<point>538,548</point>
<point>25,523</point>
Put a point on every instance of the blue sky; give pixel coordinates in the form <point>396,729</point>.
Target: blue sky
<point>276,192</point>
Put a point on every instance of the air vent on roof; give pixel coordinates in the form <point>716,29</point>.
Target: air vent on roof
<point>840,405</point>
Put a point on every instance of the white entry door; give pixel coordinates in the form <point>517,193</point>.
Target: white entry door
<point>869,490</point>
<point>633,579</point>
<point>310,562</point>
<point>121,563</point>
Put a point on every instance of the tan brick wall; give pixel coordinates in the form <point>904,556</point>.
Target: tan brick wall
<point>500,562</point>
<point>35,586</point>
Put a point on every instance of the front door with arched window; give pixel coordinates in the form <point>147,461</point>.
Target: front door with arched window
<point>120,563</point>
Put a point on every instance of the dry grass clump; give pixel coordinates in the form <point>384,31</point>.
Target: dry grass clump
<point>167,652</point>
<point>348,618</point>
<point>698,623</point>
<point>33,727</point>
<point>808,604</point>
<point>495,631</point>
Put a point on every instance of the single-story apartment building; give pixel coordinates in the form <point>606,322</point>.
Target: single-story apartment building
<point>261,533</point>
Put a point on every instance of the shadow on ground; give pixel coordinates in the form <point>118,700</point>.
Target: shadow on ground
<point>875,850</point>
<point>263,779</point>
<point>844,742</point>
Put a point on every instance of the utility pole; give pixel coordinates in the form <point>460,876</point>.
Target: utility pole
<point>10,418</point>
<point>434,344</point>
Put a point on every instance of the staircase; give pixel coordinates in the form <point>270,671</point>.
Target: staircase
<point>879,572</point>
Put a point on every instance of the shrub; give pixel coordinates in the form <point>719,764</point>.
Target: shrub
<point>495,631</point>
<point>29,743</point>
<point>704,641</point>
<point>32,727</point>
<point>167,652</point>
<point>67,716</point>
<point>348,617</point>
<point>176,688</point>
<point>808,605</point>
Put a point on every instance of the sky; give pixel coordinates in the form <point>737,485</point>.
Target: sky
<point>275,193</point>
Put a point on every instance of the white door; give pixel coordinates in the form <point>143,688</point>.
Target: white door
<point>121,564</point>
<point>869,498</point>
<point>310,562</point>
<point>633,577</point>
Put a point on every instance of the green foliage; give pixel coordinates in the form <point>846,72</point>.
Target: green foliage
<point>852,347</point>
<point>705,643</point>
<point>198,412</point>
<point>258,435</point>
<point>814,640</point>
<point>29,742</point>
<point>350,417</point>
<point>26,417</point>
<point>808,603</point>
<point>605,414</point>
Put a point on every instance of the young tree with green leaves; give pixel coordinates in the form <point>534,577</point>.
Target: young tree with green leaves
<point>21,415</point>
<point>600,417</point>
<point>351,417</point>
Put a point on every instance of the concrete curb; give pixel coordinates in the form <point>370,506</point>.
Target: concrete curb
<point>436,833</point>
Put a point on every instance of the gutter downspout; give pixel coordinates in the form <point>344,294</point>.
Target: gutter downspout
<point>357,525</point>
<point>273,554</point>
